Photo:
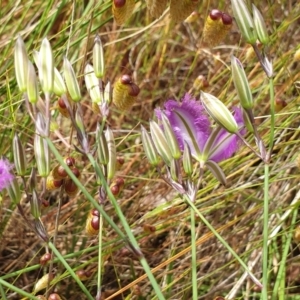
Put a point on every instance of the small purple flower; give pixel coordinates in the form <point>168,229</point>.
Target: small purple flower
<point>5,176</point>
<point>191,124</point>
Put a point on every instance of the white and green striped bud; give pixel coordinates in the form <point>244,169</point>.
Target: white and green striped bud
<point>46,66</point>
<point>14,191</point>
<point>107,94</point>
<point>41,148</point>
<point>92,84</point>
<point>149,147</point>
<point>19,156</point>
<point>111,166</point>
<point>35,205</point>
<point>216,171</point>
<point>161,143</point>
<point>21,64</point>
<point>260,26</point>
<point>187,160</point>
<point>241,83</point>
<point>219,112</point>
<point>170,136</point>
<point>98,58</point>
<point>244,21</point>
<point>32,85</point>
<point>59,87</point>
<point>174,170</point>
<point>71,81</point>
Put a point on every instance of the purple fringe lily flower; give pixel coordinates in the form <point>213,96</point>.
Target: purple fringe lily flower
<point>191,125</point>
<point>5,176</point>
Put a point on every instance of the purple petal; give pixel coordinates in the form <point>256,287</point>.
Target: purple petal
<point>5,176</point>
<point>189,121</point>
<point>227,144</point>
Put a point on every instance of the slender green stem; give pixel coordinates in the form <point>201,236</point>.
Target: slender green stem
<point>265,234</point>
<point>17,290</point>
<point>70,270</point>
<point>194,255</point>
<point>272,111</point>
<point>224,243</point>
<point>2,293</point>
<point>278,291</point>
<point>99,276</point>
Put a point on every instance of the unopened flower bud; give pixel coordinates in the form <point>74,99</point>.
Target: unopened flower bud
<point>32,85</point>
<point>241,83</point>
<point>13,190</point>
<point>21,64</point>
<point>92,84</point>
<point>112,157</point>
<point>149,147</point>
<point>98,58</point>
<point>35,205</point>
<point>219,112</point>
<point>260,26</point>
<point>71,81</point>
<point>59,87</point>
<point>244,21</point>
<point>19,156</point>
<point>161,143</point>
<point>46,66</point>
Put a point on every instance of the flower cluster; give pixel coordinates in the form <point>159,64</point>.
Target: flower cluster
<point>191,125</point>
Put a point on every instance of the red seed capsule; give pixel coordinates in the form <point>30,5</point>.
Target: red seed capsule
<point>125,79</point>
<point>92,223</point>
<point>119,3</point>
<point>76,172</point>
<point>133,90</point>
<point>215,14</point>
<point>59,173</point>
<point>70,161</point>
<point>70,187</point>
<point>54,296</point>
<point>45,258</point>
<point>226,19</point>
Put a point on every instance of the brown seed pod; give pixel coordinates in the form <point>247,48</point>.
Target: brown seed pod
<point>180,10</point>
<point>62,108</point>
<point>217,26</point>
<point>53,184</point>
<point>149,228</point>
<point>70,187</point>
<point>84,275</point>
<point>156,7</point>
<point>69,161</point>
<point>45,258</point>
<point>122,10</point>
<point>76,172</point>
<point>59,172</point>
<point>200,83</point>
<point>92,223</point>
<point>54,296</point>
<point>126,79</point>
<point>133,90</point>
<point>279,104</point>
<point>125,93</point>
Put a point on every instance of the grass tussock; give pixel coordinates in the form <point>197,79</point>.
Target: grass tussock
<point>166,59</point>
